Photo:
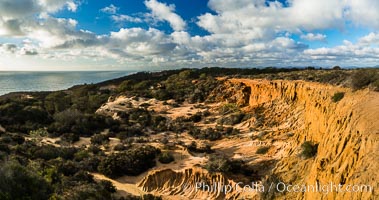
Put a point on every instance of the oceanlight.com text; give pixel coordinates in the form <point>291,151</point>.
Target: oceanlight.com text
<point>279,187</point>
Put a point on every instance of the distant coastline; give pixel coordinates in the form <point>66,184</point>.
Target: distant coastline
<point>35,81</point>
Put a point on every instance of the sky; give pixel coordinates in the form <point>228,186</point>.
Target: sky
<point>62,35</point>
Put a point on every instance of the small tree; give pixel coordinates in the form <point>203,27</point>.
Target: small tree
<point>336,67</point>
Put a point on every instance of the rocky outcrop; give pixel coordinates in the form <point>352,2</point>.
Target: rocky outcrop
<point>231,92</point>
<point>191,183</point>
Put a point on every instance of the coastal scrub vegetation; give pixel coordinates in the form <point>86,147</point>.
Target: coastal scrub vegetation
<point>131,162</point>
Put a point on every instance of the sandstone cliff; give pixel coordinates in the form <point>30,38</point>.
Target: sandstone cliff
<point>346,131</point>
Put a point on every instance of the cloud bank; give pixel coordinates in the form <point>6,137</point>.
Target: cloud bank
<point>241,33</point>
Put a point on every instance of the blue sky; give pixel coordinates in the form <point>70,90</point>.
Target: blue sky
<point>166,34</point>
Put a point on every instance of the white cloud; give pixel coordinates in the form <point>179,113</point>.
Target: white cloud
<point>17,17</point>
<point>242,33</point>
<point>8,48</point>
<point>111,9</point>
<point>28,51</point>
<point>165,12</point>
<point>72,6</point>
<point>18,8</point>
<point>370,39</point>
<point>349,53</point>
<point>125,18</point>
<point>51,6</point>
<point>137,41</point>
<point>314,37</point>
<point>363,12</point>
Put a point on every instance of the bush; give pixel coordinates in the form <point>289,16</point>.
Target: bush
<point>231,119</point>
<point>131,162</point>
<point>166,157</point>
<point>99,139</point>
<point>196,117</point>
<point>92,190</point>
<point>363,77</point>
<point>19,182</point>
<point>81,155</point>
<point>338,96</point>
<point>48,152</point>
<point>38,133</point>
<point>218,164</point>
<point>262,150</point>
<point>308,149</point>
<point>276,191</point>
<point>228,108</point>
<point>70,137</point>
<point>150,197</point>
<point>207,134</point>
<point>120,147</point>
<point>192,146</point>
<point>376,85</point>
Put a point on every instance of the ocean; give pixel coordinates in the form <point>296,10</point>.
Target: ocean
<point>11,81</point>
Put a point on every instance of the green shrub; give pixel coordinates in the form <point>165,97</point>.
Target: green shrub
<point>376,85</point>
<point>363,77</point>
<point>131,162</point>
<point>206,134</point>
<point>81,155</point>
<point>231,119</point>
<point>125,86</point>
<point>57,102</point>
<point>218,164</point>
<point>19,182</point>
<point>228,108</point>
<point>38,133</point>
<point>49,152</point>
<point>308,149</point>
<point>196,117</point>
<point>262,150</point>
<point>70,137</point>
<point>92,190</point>
<point>120,147</point>
<point>338,96</point>
<point>99,139</point>
<point>192,146</point>
<point>276,191</point>
<point>166,157</point>
<point>150,197</point>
